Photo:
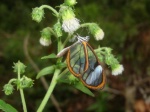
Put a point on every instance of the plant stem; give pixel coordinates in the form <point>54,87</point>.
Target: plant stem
<point>67,39</point>
<point>69,35</point>
<point>23,100</point>
<point>84,25</point>
<point>50,90</point>
<point>63,73</point>
<point>22,94</point>
<point>50,8</point>
<point>60,46</point>
<point>12,80</point>
<point>51,30</point>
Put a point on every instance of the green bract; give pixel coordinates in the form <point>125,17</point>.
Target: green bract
<point>26,82</point>
<point>66,12</point>
<point>37,14</point>
<point>70,2</point>
<point>58,29</point>
<point>111,60</point>
<point>96,31</point>
<point>19,67</point>
<point>8,89</point>
<point>45,33</point>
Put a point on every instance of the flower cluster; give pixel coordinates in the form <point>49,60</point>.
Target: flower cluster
<point>104,54</point>
<point>69,22</point>
<point>20,82</point>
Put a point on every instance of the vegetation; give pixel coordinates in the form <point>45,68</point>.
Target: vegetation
<point>126,27</point>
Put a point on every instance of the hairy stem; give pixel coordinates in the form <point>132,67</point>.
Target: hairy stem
<point>36,68</point>
<point>22,94</point>
<point>50,8</point>
<point>23,100</point>
<point>50,90</point>
<point>67,39</point>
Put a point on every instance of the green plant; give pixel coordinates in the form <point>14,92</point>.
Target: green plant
<point>20,82</point>
<point>66,24</point>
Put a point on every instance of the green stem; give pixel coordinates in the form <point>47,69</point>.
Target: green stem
<point>23,100</point>
<point>52,31</point>
<point>22,94</point>
<point>12,80</point>
<point>67,39</point>
<point>63,73</point>
<point>60,46</point>
<point>50,8</point>
<point>50,90</point>
<point>84,25</point>
<point>69,35</point>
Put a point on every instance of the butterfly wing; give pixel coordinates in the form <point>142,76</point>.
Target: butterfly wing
<point>76,61</point>
<point>83,63</point>
<point>93,77</point>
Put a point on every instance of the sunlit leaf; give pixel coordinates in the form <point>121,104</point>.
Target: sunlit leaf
<point>84,89</point>
<point>75,83</point>
<point>61,65</point>
<point>6,107</point>
<point>49,56</point>
<point>46,71</point>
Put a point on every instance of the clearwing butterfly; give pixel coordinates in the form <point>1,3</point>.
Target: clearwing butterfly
<point>83,63</point>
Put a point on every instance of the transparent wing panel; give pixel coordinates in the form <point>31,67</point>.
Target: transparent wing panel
<point>94,74</point>
<point>77,58</point>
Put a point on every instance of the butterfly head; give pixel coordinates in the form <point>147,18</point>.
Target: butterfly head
<point>80,39</point>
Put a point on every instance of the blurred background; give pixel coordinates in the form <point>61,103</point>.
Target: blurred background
<point>126,24</point>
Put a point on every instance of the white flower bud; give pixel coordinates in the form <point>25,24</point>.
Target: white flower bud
<point>45,41</point>
<point>69,22</point>
<point>117,70</point>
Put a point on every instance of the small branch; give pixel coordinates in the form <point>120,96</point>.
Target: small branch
<point>85,25</point>
<point>52,31</point>
<point>67,39</point>
<point>70,34</point>
<point>36,68</point>
<point>50,8</point>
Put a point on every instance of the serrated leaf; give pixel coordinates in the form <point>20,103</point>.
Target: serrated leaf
<point>6,107</point>
<point>49,56</point>
<point>84,89</point>
<point>46,71</point>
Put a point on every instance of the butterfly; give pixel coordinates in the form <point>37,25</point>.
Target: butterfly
<point>83,63</point>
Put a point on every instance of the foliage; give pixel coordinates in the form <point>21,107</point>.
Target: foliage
<point>125,23</point>
<point>6,107</point>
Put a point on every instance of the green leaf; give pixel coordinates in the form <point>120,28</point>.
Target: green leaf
<point>84,89</point>
<point>46,71</point>
<point>76,83</point>
<point>6,107</point>
<point>49,56</point>
<point>61,65</point>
